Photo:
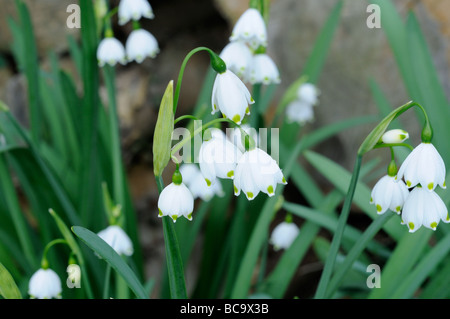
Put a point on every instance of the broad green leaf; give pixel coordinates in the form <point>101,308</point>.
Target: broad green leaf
<point>8,287</point>
<point>105,251</point>
<point>162,139</point>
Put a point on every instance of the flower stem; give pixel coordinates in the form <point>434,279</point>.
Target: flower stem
<point>336,242</point>
<point>173,256</point>
<point>44,262</point>
<point>212,55</point>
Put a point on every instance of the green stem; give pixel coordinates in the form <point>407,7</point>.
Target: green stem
<point>336,242</point>
<point>44,262</point>
<point>183,67</point>
<point>183,117</point>
<point>116,154</point>
<point>256,94</point>
<point>173,256</point>
<point>393,145</point>
<point>356,250</point>
<point>107,280</point>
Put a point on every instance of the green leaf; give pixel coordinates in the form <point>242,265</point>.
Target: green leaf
<point>162,139</point>
<point>8,288</point>
<point>105,251</point>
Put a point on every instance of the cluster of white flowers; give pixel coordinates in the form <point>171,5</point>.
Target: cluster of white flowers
<point>140,43</point>
<point>301,109</point>
<point>415,197</point>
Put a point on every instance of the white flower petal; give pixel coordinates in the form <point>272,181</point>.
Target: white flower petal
<point>45,284</point>
<point>141,44</point>
<point>134,9</point>
<point>251,29</point>
<point>176,200</point>
<point>264,70</point>
<point>116,237</point>
<point>283,235</point>
<point>110,51</point>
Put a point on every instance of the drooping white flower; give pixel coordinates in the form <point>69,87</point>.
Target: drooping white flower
<point>308,93</point>
<point>135,10</point>
<point>251,29</point>
<point>394,136</point>
<point>238,58</point>
<point>141,44</point>
<point>218,157</point>
<point>256,171</point>
<point>234,135</point>
<point>423,208</point>
<point>283,235</point>
<point>264,70</point>
<point>423,165</point>
<point>110,51</point>
<point>299,111</point>
<point>389,194</point>
<point>231,96</point>
<point>194,180</point>
<point>45,284</point>
<point>176,200</point>
<point>116,237</point>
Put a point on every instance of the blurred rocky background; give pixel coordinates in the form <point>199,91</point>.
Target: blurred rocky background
<point>356,55</point>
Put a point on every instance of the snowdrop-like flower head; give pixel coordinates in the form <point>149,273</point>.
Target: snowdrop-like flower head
<point>196,183</point>
<point>135,10</point>
<point>231,96</point>
<point>218,157</point>
<point>389,194</point>
<point>141,44</point>
<point>283,235</point>
<point>423,166</point>
<point>238,58</point>
<point>308,93</point>
<point>424,208</point>
<point>264,70</point>
<point>394,136</point>
<point>257,172</point>
<point>110,51</point>
<point>299,111</point>
<point>44,284</point>
<point>116,237</point>
<point>251,29</point>
<point>176,199</point>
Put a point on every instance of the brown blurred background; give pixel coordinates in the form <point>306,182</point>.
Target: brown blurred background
<point>356,55</point>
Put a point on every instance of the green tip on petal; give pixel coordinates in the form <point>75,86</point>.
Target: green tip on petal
<point>408,183</point>
<point>249,194</point>
<point>433,225</point>
<point>235,190</point>
<point>371,199</point>
<point>430,186</point>
<point>284,180</point>
<point>411,225</point>
<point>444,185</point>
<point>247,110</point>
<point>402,136</point>
<point>189,216</point>
<point>448,217</point>
<point>270,189</point>
<point>379,208</point>
<point>208,182</point>
<point>230,174</point>
<point>236,118</point>
<point>160,213</point>
<point>174,217</point>
<point>397,209</point>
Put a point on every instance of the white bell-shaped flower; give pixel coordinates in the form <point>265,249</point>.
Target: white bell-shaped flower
<point>264,70</point>
<point>300,112</point>
<point>234,135</point>
<point>218,157</point>
<point>116,237</point>
<point>423,166</point>
<point>283,235</point>
<point>251,29</point>
<point>141,44</point>
<point>308,93</point>
<point>423,208</point>
<point>231,96</point>
<point>389,194</point>
<point>176,199</point>
<point>110,51</point>
<point>194,180</point>
<point>134,10</point>
<point>256,171</point>
<point>238,58</point>
<point>45,284</point>
<point>394,136</point>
